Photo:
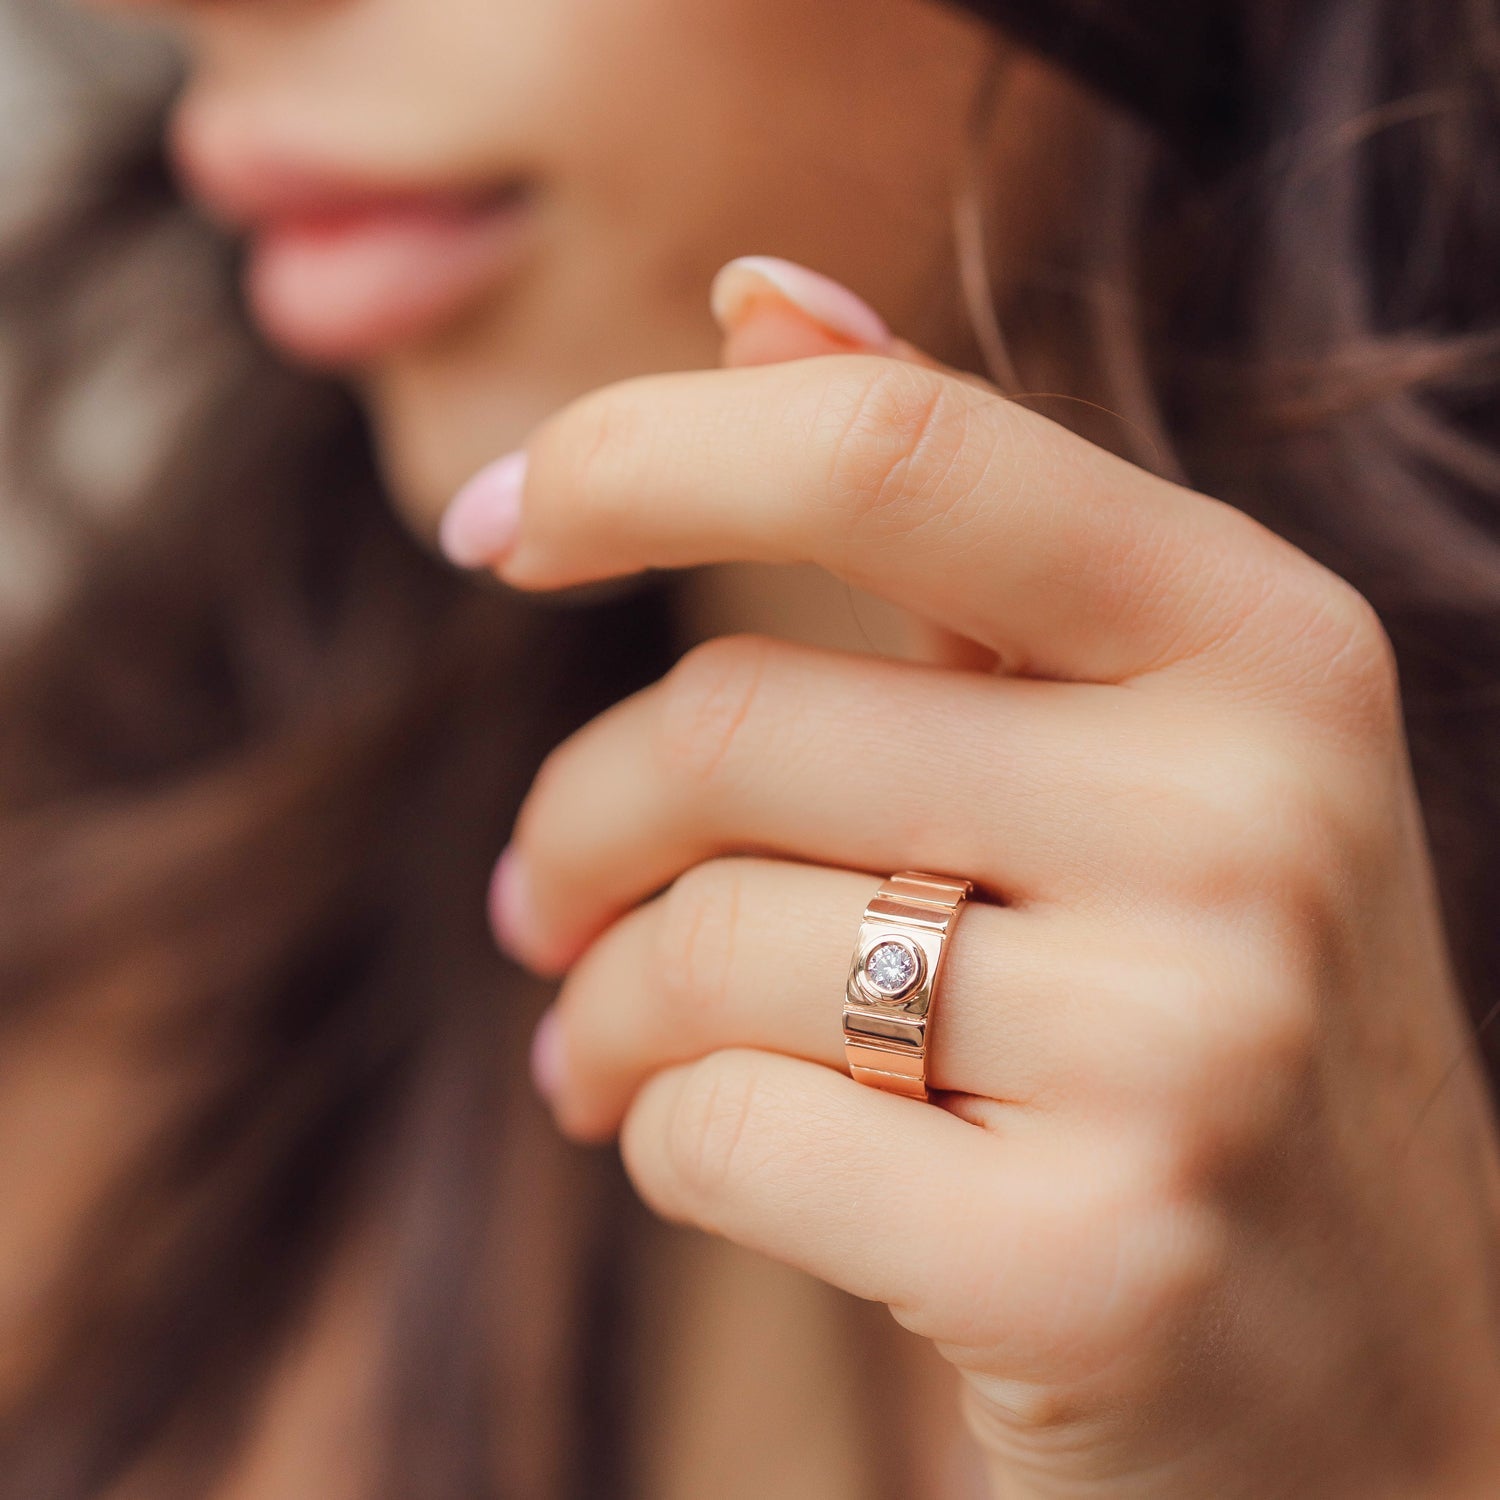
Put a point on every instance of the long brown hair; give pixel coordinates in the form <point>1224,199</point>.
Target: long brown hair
<point>255,762</point>
<point>1297,305</point>
<point>257,756</point>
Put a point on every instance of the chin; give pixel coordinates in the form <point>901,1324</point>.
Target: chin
<point>432,434</point>
<point>444,409</point>
<point>420,479</point>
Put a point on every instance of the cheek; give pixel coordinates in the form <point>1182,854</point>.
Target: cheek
<point>827,132</point>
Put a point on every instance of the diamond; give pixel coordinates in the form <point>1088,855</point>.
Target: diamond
<point>891,968</point>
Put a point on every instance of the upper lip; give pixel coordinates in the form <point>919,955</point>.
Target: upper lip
<point>248,187</point>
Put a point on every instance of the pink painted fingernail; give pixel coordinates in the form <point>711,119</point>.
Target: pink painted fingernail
<point>547,1061</point>
<point>480,524</point>
<point>823,300</point>
<point>510,903</point>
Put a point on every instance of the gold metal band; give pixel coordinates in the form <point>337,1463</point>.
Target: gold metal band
<point>893,976</point>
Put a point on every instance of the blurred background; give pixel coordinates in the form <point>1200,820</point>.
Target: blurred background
<point>280,1216</point>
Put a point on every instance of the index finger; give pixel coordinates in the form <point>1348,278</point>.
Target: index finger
<point>969,509</point>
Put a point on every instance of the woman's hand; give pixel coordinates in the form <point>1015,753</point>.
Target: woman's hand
<point>1207,1206</point>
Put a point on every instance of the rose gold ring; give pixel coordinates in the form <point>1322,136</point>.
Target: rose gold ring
<point>893,977</point>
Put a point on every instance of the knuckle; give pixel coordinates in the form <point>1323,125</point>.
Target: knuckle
<point>897,433</point>
<point>1271,822</point>
<point>707,702</point>
<point>600,429</point>
<point>1125,1261</point>
<point>1346,671</point>
<point>1240,1077</point>
<point>1362,663</point>
<point>595,440</point>
<point>697,919</point>
<point>1264,825</point>
<point>711,1131</point>
<point>1257,1056</point>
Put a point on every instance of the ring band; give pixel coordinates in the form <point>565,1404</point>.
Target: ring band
<point>893,976</point>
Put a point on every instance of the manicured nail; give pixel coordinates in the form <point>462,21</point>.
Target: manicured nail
<point>510,904</point>
<point>547,1061</point>
<point>480,524</point>
<point>824,301</point>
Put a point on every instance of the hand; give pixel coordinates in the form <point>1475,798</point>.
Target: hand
<point>1208,1204</point>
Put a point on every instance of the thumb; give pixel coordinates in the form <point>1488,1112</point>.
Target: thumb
<point>773,310</point>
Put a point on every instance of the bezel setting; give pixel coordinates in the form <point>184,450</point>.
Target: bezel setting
<point>879,994</point>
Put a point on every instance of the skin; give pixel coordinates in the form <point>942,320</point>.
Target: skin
<point>664,137</point>
<point>1206,1203</point>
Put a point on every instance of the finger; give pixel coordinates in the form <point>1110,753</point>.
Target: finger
<point>1007,1248</point>
<point>772,311</point>
<point>985,517</point>
<point>1035,1008</point>
<point>854,1185</point>
<point>754,744</point>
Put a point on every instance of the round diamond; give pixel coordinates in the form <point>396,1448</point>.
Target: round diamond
<point>891,968</point>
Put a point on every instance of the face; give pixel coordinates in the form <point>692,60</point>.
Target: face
<point>479,209</point>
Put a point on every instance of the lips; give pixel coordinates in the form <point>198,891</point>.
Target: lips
<point>341,269</point>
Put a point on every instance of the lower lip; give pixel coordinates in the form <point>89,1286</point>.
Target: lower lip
<point>342,289</point>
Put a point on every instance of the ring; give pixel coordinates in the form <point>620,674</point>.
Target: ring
<point>893,976</point>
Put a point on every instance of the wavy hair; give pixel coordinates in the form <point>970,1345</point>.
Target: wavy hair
<point>258,749</point>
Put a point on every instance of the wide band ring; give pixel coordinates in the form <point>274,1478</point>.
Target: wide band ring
<point>893,977</point>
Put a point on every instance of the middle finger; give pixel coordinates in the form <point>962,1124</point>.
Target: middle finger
<point>753,745</point>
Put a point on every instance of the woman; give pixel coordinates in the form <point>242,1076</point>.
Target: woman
<point>1192,1175</point>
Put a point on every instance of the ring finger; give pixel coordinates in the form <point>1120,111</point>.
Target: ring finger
<point>753,953</point>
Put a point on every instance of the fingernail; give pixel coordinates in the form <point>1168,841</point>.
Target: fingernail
<point>823,300</point>
<point>510,903</point>
<point>480,524</point>
<point>547,1061</point>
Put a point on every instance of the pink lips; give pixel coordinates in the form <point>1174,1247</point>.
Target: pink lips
<point>341,270</point>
